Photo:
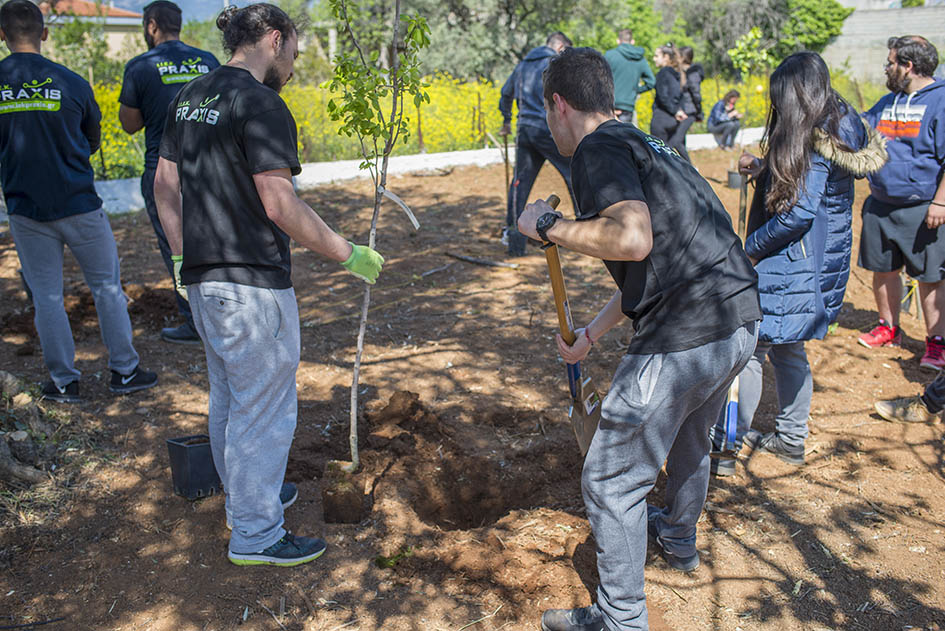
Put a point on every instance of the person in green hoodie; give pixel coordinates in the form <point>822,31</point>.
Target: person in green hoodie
<point>632,74</point>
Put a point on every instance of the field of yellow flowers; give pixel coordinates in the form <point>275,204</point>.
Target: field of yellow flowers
<point>460,115</point>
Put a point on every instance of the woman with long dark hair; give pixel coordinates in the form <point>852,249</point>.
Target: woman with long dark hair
<point>669,122</point>
<point>799,237</point>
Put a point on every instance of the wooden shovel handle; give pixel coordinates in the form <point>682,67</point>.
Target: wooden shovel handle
<point>565,324</point>
<point>742,209</point>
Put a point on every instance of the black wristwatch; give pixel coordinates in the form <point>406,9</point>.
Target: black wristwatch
<point>544,223</point>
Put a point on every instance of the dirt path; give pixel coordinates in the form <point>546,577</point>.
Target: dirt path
<point>474,477</point>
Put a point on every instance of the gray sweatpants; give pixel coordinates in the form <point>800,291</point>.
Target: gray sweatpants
<point>659,409</point>
<point>39,244</point>
<point>251,338</point>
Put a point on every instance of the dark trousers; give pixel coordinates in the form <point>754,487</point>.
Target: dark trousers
<point>532,147</point>
<point>671,131</point>
<point>147,191</point>
<point>934,395</point>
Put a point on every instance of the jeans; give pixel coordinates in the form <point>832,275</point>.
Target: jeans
<point>532,147</point>
<point>39,244</point>
<point>725,132</point>
<point>934,395</point>
<point>147,191</point>
<point>659,409</point>
<point>795,387</point>
<point>251,339</point>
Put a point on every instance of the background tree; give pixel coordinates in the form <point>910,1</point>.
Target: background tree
<point>79,44</point>
<point>811,25</point>
<point>786,26</point>
<point>204,35</point>
<point>486,38</point>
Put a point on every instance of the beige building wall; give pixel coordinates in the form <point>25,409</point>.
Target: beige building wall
<point>121,40</point>
<point>862,45</point>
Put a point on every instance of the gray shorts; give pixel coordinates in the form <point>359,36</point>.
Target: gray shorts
<point>894,237</point>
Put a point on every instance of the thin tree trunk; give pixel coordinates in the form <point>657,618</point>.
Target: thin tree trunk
<point>380,183</point>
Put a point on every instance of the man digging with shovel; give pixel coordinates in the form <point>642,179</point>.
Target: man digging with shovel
<point>684,280</point>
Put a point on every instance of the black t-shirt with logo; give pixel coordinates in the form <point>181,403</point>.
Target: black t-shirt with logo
<point>49,125</point>
<point>222,129</point>
<point>153,79</point>
<point>697,284</point>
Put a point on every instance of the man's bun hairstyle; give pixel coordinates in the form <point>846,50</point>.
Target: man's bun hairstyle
<point>21,21</point>
<point>166,15</point>
<point>246,26</point>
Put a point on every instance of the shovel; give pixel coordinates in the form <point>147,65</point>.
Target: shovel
<point>728,449</point>
<point>743,209</point>
<point>584,412</point>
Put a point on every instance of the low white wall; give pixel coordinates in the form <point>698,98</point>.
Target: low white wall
<point>124,196</point>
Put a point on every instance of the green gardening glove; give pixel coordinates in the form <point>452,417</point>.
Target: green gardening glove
<point>364,263</point>
<point>178,260</point>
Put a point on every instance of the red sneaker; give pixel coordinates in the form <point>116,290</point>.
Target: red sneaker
<point>934,358</point>
<point>882,335</point>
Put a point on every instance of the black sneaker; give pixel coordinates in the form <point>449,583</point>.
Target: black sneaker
<point>681,563</point>
<point>68,393</point>
<point>288,551</point>
<point>580,619</point>
<point>183,334</point>
<point>136,380</point>
<point>772,443</point>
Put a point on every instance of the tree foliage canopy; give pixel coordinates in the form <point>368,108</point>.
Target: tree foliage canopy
<point>786,26</point>
<point>811,25</point>
<point>472,39</point>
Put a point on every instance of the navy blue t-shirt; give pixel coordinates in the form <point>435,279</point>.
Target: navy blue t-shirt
<point>221,130</point>
<point>153,79</point>
<point>49,126</point>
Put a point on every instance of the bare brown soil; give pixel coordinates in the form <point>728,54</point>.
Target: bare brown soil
<point>471,474</point>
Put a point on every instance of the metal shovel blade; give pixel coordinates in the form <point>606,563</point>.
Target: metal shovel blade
<point>728,449</point>
<point>584,412</point>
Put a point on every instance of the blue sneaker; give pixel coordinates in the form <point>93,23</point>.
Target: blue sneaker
<point>287,552</point>
<point>681,563</point>
<point>287,495</point>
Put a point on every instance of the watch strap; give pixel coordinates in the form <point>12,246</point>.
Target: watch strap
<point>542,227</point>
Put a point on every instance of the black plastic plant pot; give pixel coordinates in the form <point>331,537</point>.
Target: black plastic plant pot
<point>192,467</point>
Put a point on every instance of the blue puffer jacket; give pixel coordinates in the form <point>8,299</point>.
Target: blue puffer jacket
<point>804,254</point>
